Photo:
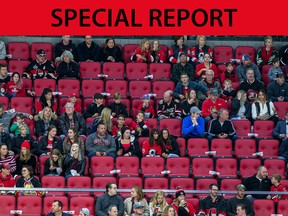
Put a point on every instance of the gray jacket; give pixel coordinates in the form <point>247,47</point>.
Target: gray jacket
<point>7,117</point>
<point>2,50</point>
<point>241,72</point>
<point>95,143</point>
<point>129,207</point>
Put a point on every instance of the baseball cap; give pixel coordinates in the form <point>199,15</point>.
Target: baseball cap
<point>138,205</point>
<point>246,57</point>
<point>214,92</point>
<point>85,211</point>
<point>195,109</point>
<point>240,187</point>
<point>41,52</point>
<point>279,75</point>
<point>5,166</point>
<point>145,96</point>
<point>73,94</point>
<point>179,192</point>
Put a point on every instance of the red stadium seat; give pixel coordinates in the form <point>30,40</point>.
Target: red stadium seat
<point>3,61</point>
<point>40,84</point>
<point>155,183</point>
<point>127,122</point>
<point>48,200</point>
<point>18,66</point>
<point>89,70</point>
<point>42,160</point>
<point>174,126</point>
<point>203,184</point>
<point>47,47</point>
<point>128,50</point>
<point>22,104</point>
<point>64,100</point>
<point>129,166</point>
<point>282,207</point>
<point>151,123</point>
<point>53,182</point>
<point>248,166</point>
<point>77,203</point>
<point>114,70</point>
<point>269,147</point>
<point>136,71</point>
<point>223,147</point>
<point>30,205</point>
<point>101,166</point>
<point>27,84</point>
<point>165,49</point>
<point>139,87</point>
<point>100,182</point>
<point>265,78</point>
<point>241,50</point>
<point>79,182</point>
<point>275,166</point>
<point>222,54</point>
<point>18,50</point>
<point>227,167</point>
<point>179,167</point>
<point>263,128</point>
<point>245,147</point>
<point>229,184</point>
<point>184,183</point>
<point>242,127</point>
<point>8,203</point>
<point>182,146</point>
<point>194,201</point>
<point>5,101</point>
<point>160,71</point>
<point>159,87</point>
<point>202,166</point>
<point>263,207</point>
<point>136,103</point>
<point>68,86</point>
<point>113,86</point>
<point>90,87</point>
<point>282,108</point>
<point>197,147</point>
<point>128,183</point>
<point>86,103</point>
<point>152,166</point>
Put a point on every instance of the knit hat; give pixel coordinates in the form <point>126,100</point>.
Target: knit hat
<point>26,144</point>
<point>179,192</point>
<point>41,52</point>
<point>85,211</point>
<point>5,166</point>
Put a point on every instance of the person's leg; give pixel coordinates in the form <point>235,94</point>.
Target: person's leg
<point>112,155</point>
<point>91,154</point>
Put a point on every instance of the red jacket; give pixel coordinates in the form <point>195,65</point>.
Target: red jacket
<point>146,148</point>
<point>279,188</point>
<point>12,89</point>
<point>149,109</point>
<point>9,181</point>
<point>147,54</point>
<point>40,108</point>
<point>213,67</point>
<point>189,206</point>
<point>208,105</point>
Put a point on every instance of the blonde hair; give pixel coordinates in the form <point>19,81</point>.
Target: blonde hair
<point>79,156</point>
<point>142,45</point>
<point>227,81</point>
<point>60,157</point>
<point>153,202</point>
<point>40,115</point>
<point>139,192</point>
<point>117,96</point>
<point>199,37</point>
<point>166,210</point>
<point>105,116</point>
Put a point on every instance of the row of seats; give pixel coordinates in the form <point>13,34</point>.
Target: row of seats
<point>23,50</point>
<point>33,205</point>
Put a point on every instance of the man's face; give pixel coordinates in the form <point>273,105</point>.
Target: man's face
<point>112,190</point>
<point>241,193</point>
<point>101,130</point>
<point>41,58</point>
<point>214,191</point>
<point>183,58</point>
<point>209,76</point>
<point>88,39</point>
<point>246,62</point>
<point>113,212</point>
<point>55,207</point>
<point>184,79</point>
<point>263,173</point>
<point>3,71</point>
<point>66,39</point>
<point>139,211</point>
<point>69,109</point>
<point>250,74</point>
<point>6,171</point>
<point>240,211</point>
<point>167,98</point>
<point>225,115</point>
<point>280,80</point>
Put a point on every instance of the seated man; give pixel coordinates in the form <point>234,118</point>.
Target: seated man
<point>40,68</point>
<point>117,107</point>
<point>210,83</point>
<point>193,125</point>
<point>278,90</point>
<point>88,50</point>
<point>95,108</point>
<point>100,143</point>
<point>241,70</point>
<point>63,45</point>
<point>4,78</point>
<point>168,108</point>
<point>222,127</point>
<point>183,88</point>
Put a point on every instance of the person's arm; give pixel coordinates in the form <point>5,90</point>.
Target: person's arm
<point>120,206</point>
<point>80,53</point>
<point>174,74</point>
<point>232,130</point>
<point>96,53</point>
<point>82,167</point>
<point>82,124</point>
<point>186,127</point>
<point>178,89</point>
<point>171,57</point>
<point>112,148</point>
<point>90,147</point>
<point>175,147</point>
<point>42,146</point>
<point>270,93</point>
<point>118,55</point>
<point>98,207</point>
<point>89,111</point>
<point>13,127</point>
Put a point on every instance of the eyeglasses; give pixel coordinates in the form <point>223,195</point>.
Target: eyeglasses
<point>25,170</point>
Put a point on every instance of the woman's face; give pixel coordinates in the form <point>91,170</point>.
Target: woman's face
<point>261,96</point>
<point>3,150</point>
<point>53,132</point>
<point>146,45</point>
<point>207,58</point>
<point>75,147</point>
<point>180,41</point>
<point>67,59</point>
<point>120,120</point>
<point>155,45</point>
<point>127,134</point>
<point>133,193</point>
<point>16,78</point>
<point>160,199</point>
<point>54,158</point>
<point>110,43</point>
<point>171,212</point>
<point>71,134</point>
<point>48,96</point>
<point>25,172</point>
<point>24,151</point>
<point>165,134</point>
<point>269,43</point>
<point>23,131</point>
<point>155,136</point>
<point>47,112</point>
<point>202,41</point>
<point>244,96</point>
<point>192,94</point>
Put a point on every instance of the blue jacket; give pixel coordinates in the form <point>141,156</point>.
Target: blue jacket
<point>193,131</point>
<point>279,129</point>
<point>200,90</point>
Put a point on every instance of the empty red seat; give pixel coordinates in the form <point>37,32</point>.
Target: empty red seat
<point>155,183</point>
<point>77,203</point>
<point>114,70</point>
<point>223,147</point>
<point>89,70</point>
<point>241,50</point>
<point>269,147</point>
<point>5,101</point>
<point>159,87</point>
<point>242,127</point>
<point>100,182</point>
<point>160,71</point>
<point>197,147</point>
<point>182,146</point>
<point>48,201</point>
<point>178,166</point>
<point>78,182</point>
<point>53,182</point>
<point>120,86</point>
<point>90,87</point>
<point>281,108</point>
<point>263,128</point>
<point>42,160</point>
<point>47,47</point>
<point>282,207</point>
<point>136,71</point>
<point>174,126</point>
<point>151,123</point>
<point>245,147</point>
<point>68,86</point>
<point>222,54</point>
<point>227,167</point>
<point>263,207</point>
<point>18,50</point>
<point>275,166</point>
<point>22,104</point>
<point>18,66</point>
<point>30,205</point>
<point>248,166</point>
<point>8,203</point>
<point>129,166</point>
<point>101,166</point>
<point>229,184</point>
<point>202,166</point>
<point>152,166</point>
<point>128,50</point>
<point>137,88</point>
<point>40,84</point>
<point>128,183</point>
<point>265,69</point>
<point>184,183</point>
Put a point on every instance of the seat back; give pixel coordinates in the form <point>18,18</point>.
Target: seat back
<point>155,183</point>
<point>222,54</point>
<point>46,46</point>
<point>48,201</point>
<point>269,147</point>
<point>128,183</point>
<point>77,203</point>
<point>128,165</point>
<point>18,50</point>
<point>101,166</point>
<point>90,87</point>
<point>22,104</point>
<point>8,203</point>
<point>160,71</point>
<point>30,205</point>
<point>159,87</point>
<point>197,147</point>
<point>241,50</point>
<point>242,128</point>
<point>120,86</point>
<point>78,182</point>
<point>263,207</point>
<point>152,165</point>
<point>223,147</point>
<point>184,183</point>
<point>89,70</point>
<point>202,166</point>
<point>178,166</point>
<point>128,50</point>
<point>174,126</point>
<point>275,166</point>
<point>263,128</point>
<point>136,71</point>
<point>248,166</point>
<point>227,167</point>
<point>53,182</point>
<point>114,70</point>
<point>137,88</point>
<point>100,182</point>
<point>18,66</point>
<point>245,147</point>
<point>40,84</point>
<point>68,86</point>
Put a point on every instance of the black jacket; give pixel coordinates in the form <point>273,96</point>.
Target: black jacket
<point>115,52</point>
<point>253,184</point>
<point>172,148</point>
<point>68,165</point>
<point>79,122</point>
<point>70,70</point>
<point>60,48</point>
<point>20,164</point>
<point>43,143</point>
<point>40,129</point>
<point>18,140</point>
<point>84,53</point>
<point>92,109</point>
<point>236,107</point>
<point>5,138</point>
<point>118,109</point>
<point>47,170</point>
<point>134,148</point>
<point>274,90</point>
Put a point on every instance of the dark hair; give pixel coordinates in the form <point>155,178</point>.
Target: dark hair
<point>98,96</point>
<point>2,106</point>
<point>184,73</point>
<point>75,131</point>
<point>242,206</point>
<point>43,100</point>
<point>60,204</point>
<point>50,128</point>
<point>3,65</point>
<point>151,137</point>
<point>2,144</point>
<point>101,123</point>
<point>121,115</point>
<point>109,185</point>
<point>29,168</point>
<point>177,38</point>
<point>274,60</point>
<point>229,63</point>
<point>20,115</point>
<point>168,141</point>
<point>108,39</point>
<point>123,129</point>
<point>211,185</point>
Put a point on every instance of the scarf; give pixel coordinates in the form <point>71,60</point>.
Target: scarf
<point>266,55</point>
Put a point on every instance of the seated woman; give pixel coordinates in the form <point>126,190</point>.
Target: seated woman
<point>43,120</point>
<point>46,100</point>
<point>267,53</point>
<point>169,211</point>
<point>206,65</point>
<point>143,53</point>
<point>190,102</point>
<point>152,146</point>
<point>74,163</point>
<point>18,140</point>
<point>73,137</point>
<point>116,129</point>
<point>53,164</point>
<point>263,109</point>
<point>157,53</point>
<point>137,195</point>
<point>170,147</point>
<point>27,180</point>
<point>176,49</point>
<point>68,68</point>
<point>241,107</point>
<point>110,52</point>
<point>49,142</point>
<point>138,127</point>
<point>127,144</point>
<point>157,203</point>
<point>15,88</point>
<point>181,206</point>
<point>25,158</point>
<point>197,51</point>
<point>6,158</point>
<point>105,118</point>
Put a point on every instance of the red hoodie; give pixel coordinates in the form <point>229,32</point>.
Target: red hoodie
<point>9,181</point>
